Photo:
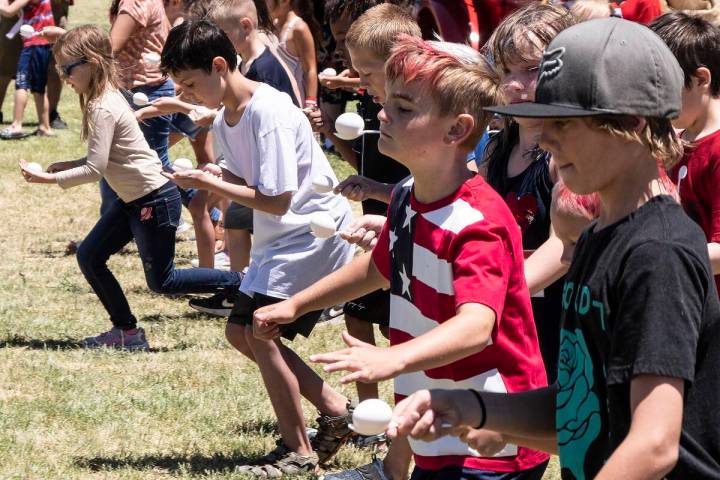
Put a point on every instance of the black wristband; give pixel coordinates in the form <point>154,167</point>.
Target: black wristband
<point>482,408</point>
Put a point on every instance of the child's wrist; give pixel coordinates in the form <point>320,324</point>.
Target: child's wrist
<point>311,102</point>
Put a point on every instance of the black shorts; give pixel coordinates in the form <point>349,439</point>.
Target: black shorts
<point>245,306</point>
<point>373,307</point>
<point>238,217</point>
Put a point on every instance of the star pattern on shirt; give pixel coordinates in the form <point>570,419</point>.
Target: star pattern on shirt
<point>409,214</point>
<point>405,282</point>
<point>393,239</point>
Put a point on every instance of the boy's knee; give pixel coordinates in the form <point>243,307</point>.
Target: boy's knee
<point>235,335</point>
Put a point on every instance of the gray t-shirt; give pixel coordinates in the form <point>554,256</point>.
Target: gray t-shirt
<point>272,148</point>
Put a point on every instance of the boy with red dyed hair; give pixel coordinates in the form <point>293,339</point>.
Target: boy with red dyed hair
<point>451,255</point>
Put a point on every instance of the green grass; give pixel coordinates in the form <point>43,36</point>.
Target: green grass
<point>191,408</point>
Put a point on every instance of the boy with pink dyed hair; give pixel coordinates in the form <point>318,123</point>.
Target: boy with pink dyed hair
<point>451,255</point>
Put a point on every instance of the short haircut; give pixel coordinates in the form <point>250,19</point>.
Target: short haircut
<point>335,9</point>
<point>224,12</point>
<point>193,45</point>
<point>454,86</point>
<point>511,40</point>
<point>695,42</point>
<point>377,29</point>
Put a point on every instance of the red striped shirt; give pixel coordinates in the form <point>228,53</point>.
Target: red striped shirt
<point>38,14</point>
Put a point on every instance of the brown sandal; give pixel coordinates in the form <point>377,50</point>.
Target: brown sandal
<point>281,461</point>
<point>333,433</point>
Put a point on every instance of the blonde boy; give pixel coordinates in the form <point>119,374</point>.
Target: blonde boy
<point>447,234</point>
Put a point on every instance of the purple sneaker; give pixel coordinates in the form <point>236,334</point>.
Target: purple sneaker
<point>117,338</point>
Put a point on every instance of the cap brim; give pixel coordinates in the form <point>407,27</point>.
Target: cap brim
<point>541,110</point>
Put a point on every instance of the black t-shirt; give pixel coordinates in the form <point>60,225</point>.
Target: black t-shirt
<point>267,69</point>
<point>375,165</point>
<point>639,298</point>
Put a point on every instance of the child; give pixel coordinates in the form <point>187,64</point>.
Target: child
<point>641,318</point>
<point>447,232</point>
<point>571,214</point>
<point>298,29</point>
<point>521,172</point>
<point>148,207</point>
<point>694,42</point>
<point>32,67</point>
<point>238,18</point>
<point>270,158</point>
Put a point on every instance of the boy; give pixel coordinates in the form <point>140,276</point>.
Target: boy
<point>32,67</point>
<point>268,143</point>
<point>638,374</point>
<point>239,20</point>
<point>447,233</point>
<point>694,43</point>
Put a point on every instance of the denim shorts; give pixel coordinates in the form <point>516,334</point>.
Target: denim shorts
<point>182,124</point>
<point>32,68</point>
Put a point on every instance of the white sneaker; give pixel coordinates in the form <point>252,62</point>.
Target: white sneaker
<point>222,261</point>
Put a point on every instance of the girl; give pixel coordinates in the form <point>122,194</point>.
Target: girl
<point>296,23</point>
<point>148,206</point>
<point>519,170</point>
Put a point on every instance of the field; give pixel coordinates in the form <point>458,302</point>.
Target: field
<point>190,408</point>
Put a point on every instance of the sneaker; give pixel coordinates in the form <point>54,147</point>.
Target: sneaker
<point>220,304</point>
<point>58,123</point>
<point>222,261</point>
<point>332,312</point>
<point>117,338</point>
<point>371,471</point>
<point>332,434</point>
<point>280,462</point>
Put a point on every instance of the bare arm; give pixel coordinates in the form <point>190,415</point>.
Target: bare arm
<point>12,9</point>
<point>305,46</point>
<point>652,445</point>
<point>122,29</point>
<point>543,267</point>
<point>714,252</point>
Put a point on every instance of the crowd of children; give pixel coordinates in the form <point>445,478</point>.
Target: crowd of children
<point>560,300</point>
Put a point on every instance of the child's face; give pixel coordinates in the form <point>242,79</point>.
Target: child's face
<point>692,105</point>
<point>202,88</point>
<point>410,128</point>
<point>588,158</point>
<point>339,31</point>
<point>519,76</point>
<point>372,72</point>
<point>75,73</point>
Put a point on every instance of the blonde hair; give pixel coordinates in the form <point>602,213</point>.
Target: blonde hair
<point>454,86</point>
<point>223,12</point>
<point>658,135</point>
<point>378,28</point>
<point>91,43</point>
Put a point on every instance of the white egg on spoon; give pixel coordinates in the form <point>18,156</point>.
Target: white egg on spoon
<point>322,225</point>
<point>323,184</point>
<point>329,72</point>
<point>349,126</point>
<point>371,417</point>
<point>34,167</point>
<point>183,164</point>
<point>140,99</point>
<point>152,59</point>
<point>27,31</point>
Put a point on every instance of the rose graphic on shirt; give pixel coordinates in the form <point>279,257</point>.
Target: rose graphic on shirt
<point>578,420</point>
<point>524,208</point>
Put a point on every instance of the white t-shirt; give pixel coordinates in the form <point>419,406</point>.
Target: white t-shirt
<point>272,148</point>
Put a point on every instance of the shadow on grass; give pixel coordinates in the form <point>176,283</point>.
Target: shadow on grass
<point>194,464</point>
<point>193,315</point>
<point>257,427</point>
<point>17,341</point>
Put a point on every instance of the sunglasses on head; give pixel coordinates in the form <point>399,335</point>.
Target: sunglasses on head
<point>67,69</point>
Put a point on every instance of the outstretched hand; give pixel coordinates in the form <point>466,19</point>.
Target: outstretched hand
<point>429,414</point>
<point>34,176</point>
<point>365,362</point>
<point>190,178</point>
<point>364,231</point>
<point>268,320</point>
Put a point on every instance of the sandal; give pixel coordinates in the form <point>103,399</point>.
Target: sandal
<point>10,134</point>
<point>333,433</point>
<point>281,461</point>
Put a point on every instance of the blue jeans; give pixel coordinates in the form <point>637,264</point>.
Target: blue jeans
<point>151,220</point>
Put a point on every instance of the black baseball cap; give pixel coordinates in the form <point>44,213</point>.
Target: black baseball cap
<point>607,66</point>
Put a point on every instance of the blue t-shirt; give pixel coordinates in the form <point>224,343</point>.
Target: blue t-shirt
<point>267,69</point>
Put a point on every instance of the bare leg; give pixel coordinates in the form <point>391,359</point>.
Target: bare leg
<point>54,90</point>
<point>204,229</point>
<point>43,112</point>
<point>284,391</point>
<point>238,243</point>
<point>21,97</point>
<point>396,463</point>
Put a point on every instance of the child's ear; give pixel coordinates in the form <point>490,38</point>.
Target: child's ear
<point>220,65</point>
<point>459,131</point>
<point>703,77</point>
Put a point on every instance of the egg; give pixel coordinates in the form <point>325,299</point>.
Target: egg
<point>34,167</point>
<point>349,126</point>
<point>371,417</point>
<point>322,225</point>
<point>152,59</point>
<point>183,164</point>
<point>329,72</point>
<point>323,184</point>
<point>199,112</point>
<point>27,31</point>
<point>140,99</point>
